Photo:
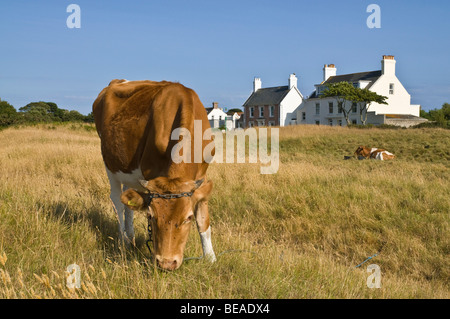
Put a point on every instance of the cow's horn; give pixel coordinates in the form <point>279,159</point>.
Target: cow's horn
<point>143,182</point>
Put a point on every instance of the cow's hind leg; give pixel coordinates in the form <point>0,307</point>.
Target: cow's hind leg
<point>204,229</point>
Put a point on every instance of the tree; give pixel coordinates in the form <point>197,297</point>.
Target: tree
<point>345,92</point>
<point>342,92</point>
<point>8,114</point>
<point>38,112</point>
<point>35,112</point>
<point>89,118</point>
<point>425,114</point>
<point>73,116</point>
<point>439,116</point>
<point>446,110</point>
<point>363,97</point>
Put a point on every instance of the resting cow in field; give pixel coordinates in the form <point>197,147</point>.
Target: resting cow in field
<point>374,153</point>
<point>135,120</point>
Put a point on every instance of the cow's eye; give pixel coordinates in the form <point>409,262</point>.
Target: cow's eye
<point>189,219</point>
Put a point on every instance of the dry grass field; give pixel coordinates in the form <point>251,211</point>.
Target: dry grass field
<point>295,234</point>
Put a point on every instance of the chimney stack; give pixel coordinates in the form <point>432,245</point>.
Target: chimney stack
<point>256,84</point>
<point>215,105</point>
<point>388,65</point>
<point>292,81</point>
<point>328,71</point>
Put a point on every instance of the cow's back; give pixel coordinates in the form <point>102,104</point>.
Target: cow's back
<point>135,119</point>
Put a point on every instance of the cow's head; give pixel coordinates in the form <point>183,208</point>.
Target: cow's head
<point>362,151</point>
<point>171,218</point>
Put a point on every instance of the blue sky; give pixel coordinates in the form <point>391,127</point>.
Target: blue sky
<point>216,47</point>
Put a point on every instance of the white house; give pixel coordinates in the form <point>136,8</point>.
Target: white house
<point>273,106</point>
<point>219,119</point>
<point>398,111</point>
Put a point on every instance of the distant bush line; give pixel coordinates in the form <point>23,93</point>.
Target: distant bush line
<point>49,112</point>
<point>39,112</point>
<point>437,117</point>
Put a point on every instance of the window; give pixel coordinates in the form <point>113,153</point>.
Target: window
<point>330,107</point>
<point>391,88</point>
<point>354,107</point>
<point>317,122</point>
<point>340,122</point>
<point>272,111</point>
<point>303,116</point>
<point>354,122</point>
<point>317,108</point>
<point>339,109</point>
<point>250,124</point>
<point>220,117</point>
<point>261,111</point>
<point>251,111</point>
<point>271,123</point>
<point>330,122</point>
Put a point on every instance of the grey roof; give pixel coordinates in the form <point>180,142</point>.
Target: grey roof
<point>267,96</point>
<point>313,95</point>
<point>370,76</point>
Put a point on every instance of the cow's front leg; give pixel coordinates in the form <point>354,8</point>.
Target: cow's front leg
<point>204,229</point>
<point>119,207</point>
<point>129,226</point>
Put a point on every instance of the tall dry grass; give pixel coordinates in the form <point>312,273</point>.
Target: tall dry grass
<point>295,234</point>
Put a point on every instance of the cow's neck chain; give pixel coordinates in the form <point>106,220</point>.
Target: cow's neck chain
<point>148,199</point>
<point>149,196</point>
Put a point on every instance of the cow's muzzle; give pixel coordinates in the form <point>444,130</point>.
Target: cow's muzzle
<point>167,263</point>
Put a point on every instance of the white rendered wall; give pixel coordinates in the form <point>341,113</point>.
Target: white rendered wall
<point>216,113</point>
<point>289,105</point>
<point>398,103</point>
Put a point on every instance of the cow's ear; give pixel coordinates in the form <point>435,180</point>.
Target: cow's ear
<point>203,192</point>
<point>132,199</point>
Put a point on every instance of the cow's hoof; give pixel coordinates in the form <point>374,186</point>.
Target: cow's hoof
<point>211,258</point>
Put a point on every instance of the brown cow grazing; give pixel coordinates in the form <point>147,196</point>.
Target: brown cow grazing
<point>373,153</point>
<point>134,121</point>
